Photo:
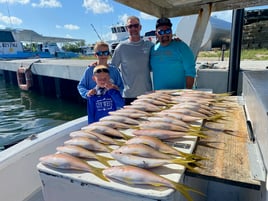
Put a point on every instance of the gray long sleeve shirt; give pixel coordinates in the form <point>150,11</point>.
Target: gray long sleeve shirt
<point>132,58</point>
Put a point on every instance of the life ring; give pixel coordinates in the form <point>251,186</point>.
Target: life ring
<point>24,78</point>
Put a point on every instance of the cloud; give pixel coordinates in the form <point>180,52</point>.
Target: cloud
<point>224,15</point>
<point>15,1</point>
<point>98,6</point>
<point>47,4</point>
<point>71,27</point>
<point>10,20</point>
<point>108,36</point>
<point>68,36</point>
<point>68,26</point>
<point>123,18</point>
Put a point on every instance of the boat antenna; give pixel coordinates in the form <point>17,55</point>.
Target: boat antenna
<point>9,13</point>
<point>96,32</point>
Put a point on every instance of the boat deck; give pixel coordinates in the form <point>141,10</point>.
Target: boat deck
<point>227,149</point>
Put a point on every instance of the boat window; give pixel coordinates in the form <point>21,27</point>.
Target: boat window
<point>6,36</point>
<point>113,30</point>
<point>123,29</point>
<point>150,33</point>
<point>118,29</point>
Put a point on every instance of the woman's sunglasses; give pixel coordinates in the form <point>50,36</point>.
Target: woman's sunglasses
<point>101,53</point>
<point>162,32</point>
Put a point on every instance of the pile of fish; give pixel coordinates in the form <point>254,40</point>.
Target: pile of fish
<point>137,137</point>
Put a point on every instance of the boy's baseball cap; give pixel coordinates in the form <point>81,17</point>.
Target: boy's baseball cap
<point>163,21</point>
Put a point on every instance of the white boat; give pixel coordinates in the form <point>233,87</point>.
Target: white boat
<point>119,34</point>
<point>18,174</point>
<point>23,44</point>
<point>23,178</point>
<point>18,164</point>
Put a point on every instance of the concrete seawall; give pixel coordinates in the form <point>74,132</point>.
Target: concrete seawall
<point>58,68</point>
<point>51,77</point>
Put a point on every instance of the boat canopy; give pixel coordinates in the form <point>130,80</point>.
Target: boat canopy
<point>176,8</point>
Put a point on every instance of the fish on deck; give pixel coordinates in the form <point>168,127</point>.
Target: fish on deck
<point>66,161</point>
<point>161,146</point>
<point>88,143</point>
<point>83,153</point>
<point>137,176</point>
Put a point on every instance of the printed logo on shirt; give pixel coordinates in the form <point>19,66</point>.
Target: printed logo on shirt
<point>112,81</point>
<point>104,104</point>
<point>146,48</point>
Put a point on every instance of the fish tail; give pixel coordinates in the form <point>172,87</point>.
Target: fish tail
<point>169,105</point>
<point>119,143</point>
<point>191,166</point>
<point>134,127</point>
<point>109,149</point>
<point>187,163</point>
<point>125,137</point>
<point>198,134</point>
<point>185,155</point>
<point>199,158</point>
<point>182,161</point>
<point>225,94</point>
<point>220,98</point>
<point>214,117</point>
<point>186,194</point>
<point>194,128</point>
<point>184,190</point>
<point>98,172</point>
<point>188,156</point>
<point>104,160</point>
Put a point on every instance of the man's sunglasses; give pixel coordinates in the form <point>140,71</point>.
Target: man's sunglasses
<point>104,70</point>
<point>162,32</point>
<point>133,25</point>
<point>101,53</point>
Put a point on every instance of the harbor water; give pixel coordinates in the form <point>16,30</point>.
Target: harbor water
<point>23,113</point>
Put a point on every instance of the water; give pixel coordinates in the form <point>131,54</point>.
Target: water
<point>23,113</point>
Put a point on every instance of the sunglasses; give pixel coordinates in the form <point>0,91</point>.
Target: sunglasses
<point>133,25</point>
<point>104,70</point>
<point>101,53</point>
<point>162,32</point>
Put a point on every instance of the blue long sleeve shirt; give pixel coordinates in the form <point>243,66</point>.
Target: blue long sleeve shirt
<point>99,106</point>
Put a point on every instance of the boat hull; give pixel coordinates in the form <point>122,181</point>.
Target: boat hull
<point>18,171</point>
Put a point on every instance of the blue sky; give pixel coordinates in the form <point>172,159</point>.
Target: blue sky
<point>73,18</point>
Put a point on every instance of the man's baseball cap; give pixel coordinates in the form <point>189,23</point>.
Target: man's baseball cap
<point>162,22</point>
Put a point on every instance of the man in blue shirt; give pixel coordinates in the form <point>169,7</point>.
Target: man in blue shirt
<point>172,61</point>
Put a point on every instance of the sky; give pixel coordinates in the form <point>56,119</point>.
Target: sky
<point>74,18</point>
